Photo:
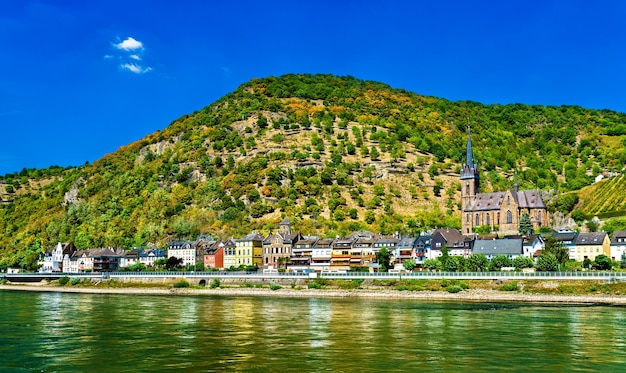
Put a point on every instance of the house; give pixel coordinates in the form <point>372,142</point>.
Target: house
<point>422,249</point>
<point>501,211</point>
<point>249,250</point>
<point>531,244</point>
<point>362,251</point>
<point>589,245</point>
<point>214,256</point>
<point>148,257</point>
<point>302,253</point>
<point>618,245</point>
<point>53,258</point>
<point>182,250</point>
<point>321,253</point>
<point>341,254</point>
<point>230,251</point>
<point>106,259</point>
<point>389,243</point>
<point>277,247</point>
<point>567,237</point>
<point>406,249</point>
<point>129,258</point>
<point>450,238</point>
<point>512,248</point>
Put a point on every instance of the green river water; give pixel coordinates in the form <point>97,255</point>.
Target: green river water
<point>56,332</point>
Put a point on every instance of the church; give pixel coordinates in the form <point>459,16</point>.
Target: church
<point>501,211</point>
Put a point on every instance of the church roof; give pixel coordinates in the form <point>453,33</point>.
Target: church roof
<point>492,201</point>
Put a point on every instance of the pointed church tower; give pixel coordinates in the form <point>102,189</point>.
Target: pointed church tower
<point>285,227</point>
<point>470,177</point>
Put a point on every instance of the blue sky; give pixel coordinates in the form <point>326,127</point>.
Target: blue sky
<point>79,79</point>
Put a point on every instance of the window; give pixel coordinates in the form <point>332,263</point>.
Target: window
<point>509,217</point>
<point>488,221</point>
<point>467,218</point>
<point>477,220</point>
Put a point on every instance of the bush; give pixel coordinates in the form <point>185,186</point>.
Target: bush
<point>64,280</point>
<point>454,289</point>
<point>181,284</point>
<point>445,282</point>
<point>275,286</point>
<point>510,286</point>
<point>314,285</point>
<point>216,283</point>
<point>75,280</point>
<point>246,285</point>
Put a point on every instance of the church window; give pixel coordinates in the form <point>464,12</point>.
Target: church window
<point>488,221</point>
<point>498,217</point>
<point>467,218</point>
<point>467,189</point>
<point>509,217</point>
<point>477,220</point>
<point>508,199</point>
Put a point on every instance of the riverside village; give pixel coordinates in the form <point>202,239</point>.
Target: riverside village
<point>514,215</point>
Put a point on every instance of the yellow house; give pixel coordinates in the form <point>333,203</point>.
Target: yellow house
<point>590,245</point>
<point>249,250</point>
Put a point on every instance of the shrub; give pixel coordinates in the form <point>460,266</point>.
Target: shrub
<point>349,284</point>
<point>454,289</point>
<point>75,280</point>
<point>246,285</point>
<point>275,286</point>
<point>314,285</point>
<point>445,282</point>
<point>402,288</point>
<point>181,284</point>
<point>592,289</point>
<point>510,286</point>
<point>64,280</point>
<point>216,283</point>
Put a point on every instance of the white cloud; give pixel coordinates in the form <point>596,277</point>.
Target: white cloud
<point>129,53</point>
<point>130,44</point>
<point>137,69</point>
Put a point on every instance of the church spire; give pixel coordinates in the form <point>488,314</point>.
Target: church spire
<point>470,155</point>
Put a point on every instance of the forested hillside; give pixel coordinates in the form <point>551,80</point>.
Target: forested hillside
<point>334,154</point>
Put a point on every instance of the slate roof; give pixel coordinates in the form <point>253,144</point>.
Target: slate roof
<point>495,247</point>
<point>591,238</point>
<point>492,201</point>
<point>251,237</point>
<point>618,235</point>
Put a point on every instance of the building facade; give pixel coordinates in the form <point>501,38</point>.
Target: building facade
<point>500,211</point>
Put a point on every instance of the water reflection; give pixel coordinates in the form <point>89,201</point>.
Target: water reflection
<point>103,333</point>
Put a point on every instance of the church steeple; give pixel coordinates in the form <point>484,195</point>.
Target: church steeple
<point>470,177</point>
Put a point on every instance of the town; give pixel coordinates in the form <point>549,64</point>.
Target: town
<point>287,251</point>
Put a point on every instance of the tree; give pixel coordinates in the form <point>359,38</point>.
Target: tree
<point>555,247</point>
<point>443,259</point>
<point>525,225</point>
<point>374,154</point>
<point>431,264</point>
<point>409,264</point>
<point>477,263</point>
<point>499,261</point>
<point>521,262</point>
<point>623,262</point>
<point>173,263</point>
<point>452,264</point>
<point>602,262</point>
<point>547,262</point>
<point>383,257</point>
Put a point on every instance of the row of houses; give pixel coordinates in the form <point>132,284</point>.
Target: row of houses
<point>357,251</point>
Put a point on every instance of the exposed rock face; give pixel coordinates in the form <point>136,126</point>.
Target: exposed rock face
<point>71,196</point>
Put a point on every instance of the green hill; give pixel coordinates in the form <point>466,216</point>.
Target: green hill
<point>334,154</point>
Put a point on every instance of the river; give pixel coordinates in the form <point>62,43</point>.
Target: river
<point>58,332</point>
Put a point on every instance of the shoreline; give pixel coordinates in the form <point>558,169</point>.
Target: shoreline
<point>472,295</point>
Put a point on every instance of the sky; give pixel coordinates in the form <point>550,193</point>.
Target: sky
<point>79,79</point>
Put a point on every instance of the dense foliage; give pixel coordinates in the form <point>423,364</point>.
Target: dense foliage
<point>334,154</point>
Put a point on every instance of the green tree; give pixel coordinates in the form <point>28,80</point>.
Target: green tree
<point>453,264</point>
<point>374,154</point>
<point>477,263</point>
<point>383,257</point>
<point>555,247</point>
<point>521,262</point>
<point>409,264</point>
<point>525,225</point>
<point>431,264</point>
<point>602,262</point>
<point>547,262</point>
<point>623,261</point>
<point>499,261</point>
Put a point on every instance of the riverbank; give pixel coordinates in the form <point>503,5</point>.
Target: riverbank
<point>471,295</point>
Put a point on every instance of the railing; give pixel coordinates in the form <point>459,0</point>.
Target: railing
<point>591,275</point>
